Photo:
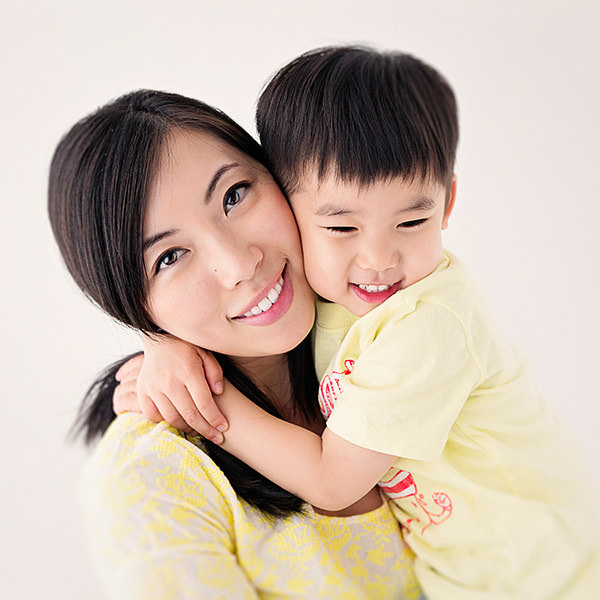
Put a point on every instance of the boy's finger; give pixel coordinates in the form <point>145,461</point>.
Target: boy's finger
<point>130,369</point>
<point>149,409</point>
<point>199,423</point>
<point>161,409</point>
<point>125,398</point>
<point>213,372</point>
<point>205,405</point>
<point>180,411</point>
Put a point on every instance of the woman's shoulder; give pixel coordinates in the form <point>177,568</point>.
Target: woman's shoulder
<point>137,458</point>
<point>132,440</point>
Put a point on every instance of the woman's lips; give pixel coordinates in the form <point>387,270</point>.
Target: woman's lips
<point>273,304</point>
<point>268,301</point>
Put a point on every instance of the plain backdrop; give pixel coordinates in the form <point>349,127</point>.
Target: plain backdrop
<point>526,74</point>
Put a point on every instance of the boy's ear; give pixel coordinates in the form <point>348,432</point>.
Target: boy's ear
<point>450,205</point>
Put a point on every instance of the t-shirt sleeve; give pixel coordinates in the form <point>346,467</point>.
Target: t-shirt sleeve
<point>408,385</point>
<point>158,524</point>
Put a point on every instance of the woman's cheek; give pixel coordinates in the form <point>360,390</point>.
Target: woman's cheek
<point>285,229</point>
<point>167,303</point>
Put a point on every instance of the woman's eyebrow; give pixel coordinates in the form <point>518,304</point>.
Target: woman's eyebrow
<point>215,179</point>
<point>154,239</point>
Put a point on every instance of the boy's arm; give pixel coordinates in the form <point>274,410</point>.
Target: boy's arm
<point>328,472</point>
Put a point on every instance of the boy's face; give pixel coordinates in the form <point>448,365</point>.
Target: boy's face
<point>364,243</point>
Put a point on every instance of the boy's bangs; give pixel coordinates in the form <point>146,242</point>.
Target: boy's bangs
<point>359,115</point>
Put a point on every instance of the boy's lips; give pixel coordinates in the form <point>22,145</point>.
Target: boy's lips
<point>375,293</point>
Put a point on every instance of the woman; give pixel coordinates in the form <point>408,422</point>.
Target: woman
<point>168,220</point>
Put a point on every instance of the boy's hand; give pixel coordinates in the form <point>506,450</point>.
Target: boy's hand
<point>125,397</point>
<point>171,382</point>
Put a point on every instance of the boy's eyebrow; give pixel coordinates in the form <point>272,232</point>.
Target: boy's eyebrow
<point>421,203</point>
<point>335,210</point>
<point>332,210</point>
<point>215,179</point>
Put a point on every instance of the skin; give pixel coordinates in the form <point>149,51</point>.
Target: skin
<point>219,239</point>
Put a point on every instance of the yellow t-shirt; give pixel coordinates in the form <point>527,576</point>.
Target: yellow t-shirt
<point>491,493</point>
<point>164,523</point>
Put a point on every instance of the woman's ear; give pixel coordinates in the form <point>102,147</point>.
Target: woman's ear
<point>450,203</point>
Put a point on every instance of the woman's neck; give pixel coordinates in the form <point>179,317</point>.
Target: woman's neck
<point>271,375</point>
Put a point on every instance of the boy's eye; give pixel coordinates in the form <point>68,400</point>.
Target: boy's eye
<point>341,229</point>
<point>234,195</point>
<point>168,258</point>
<point>412,224</point>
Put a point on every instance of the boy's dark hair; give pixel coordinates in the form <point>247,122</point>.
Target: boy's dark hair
<point>360,115</point>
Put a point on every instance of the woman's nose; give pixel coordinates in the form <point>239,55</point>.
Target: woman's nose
<point>234,261</point>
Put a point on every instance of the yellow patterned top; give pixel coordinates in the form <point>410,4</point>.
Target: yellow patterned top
<point>165,523</point>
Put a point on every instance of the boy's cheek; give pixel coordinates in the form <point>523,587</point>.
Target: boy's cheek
<point>313,247</point>
<point>321,273</point>
<point>323,259</point>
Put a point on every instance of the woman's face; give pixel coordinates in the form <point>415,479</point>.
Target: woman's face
<point>222,252</point>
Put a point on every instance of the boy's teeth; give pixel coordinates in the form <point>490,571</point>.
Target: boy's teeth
<point>374,288</point>
<point>266,303</point>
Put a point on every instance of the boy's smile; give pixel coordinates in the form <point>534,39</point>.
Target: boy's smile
<point>364,243</point>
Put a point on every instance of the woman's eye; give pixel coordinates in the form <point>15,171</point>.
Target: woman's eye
<point>168,258</point>
<point>234,196</point>
<point>412,224</point>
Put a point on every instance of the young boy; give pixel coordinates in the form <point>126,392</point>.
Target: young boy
<point>421,391</point>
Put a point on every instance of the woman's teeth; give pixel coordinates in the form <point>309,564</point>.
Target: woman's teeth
<point>374,288</point>
<point>268,301</point>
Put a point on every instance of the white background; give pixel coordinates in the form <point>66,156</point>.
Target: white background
<point>527,76</point>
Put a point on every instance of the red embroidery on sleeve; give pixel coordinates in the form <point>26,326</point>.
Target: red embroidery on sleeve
<point>402,485</point>
<point>330,388</point>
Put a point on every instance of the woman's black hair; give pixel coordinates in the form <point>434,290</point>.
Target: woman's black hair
<point>99,182</point>
<point>100,177</point>
<point>360,115</point>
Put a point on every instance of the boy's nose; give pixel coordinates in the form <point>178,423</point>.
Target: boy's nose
<point>378,254</point>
